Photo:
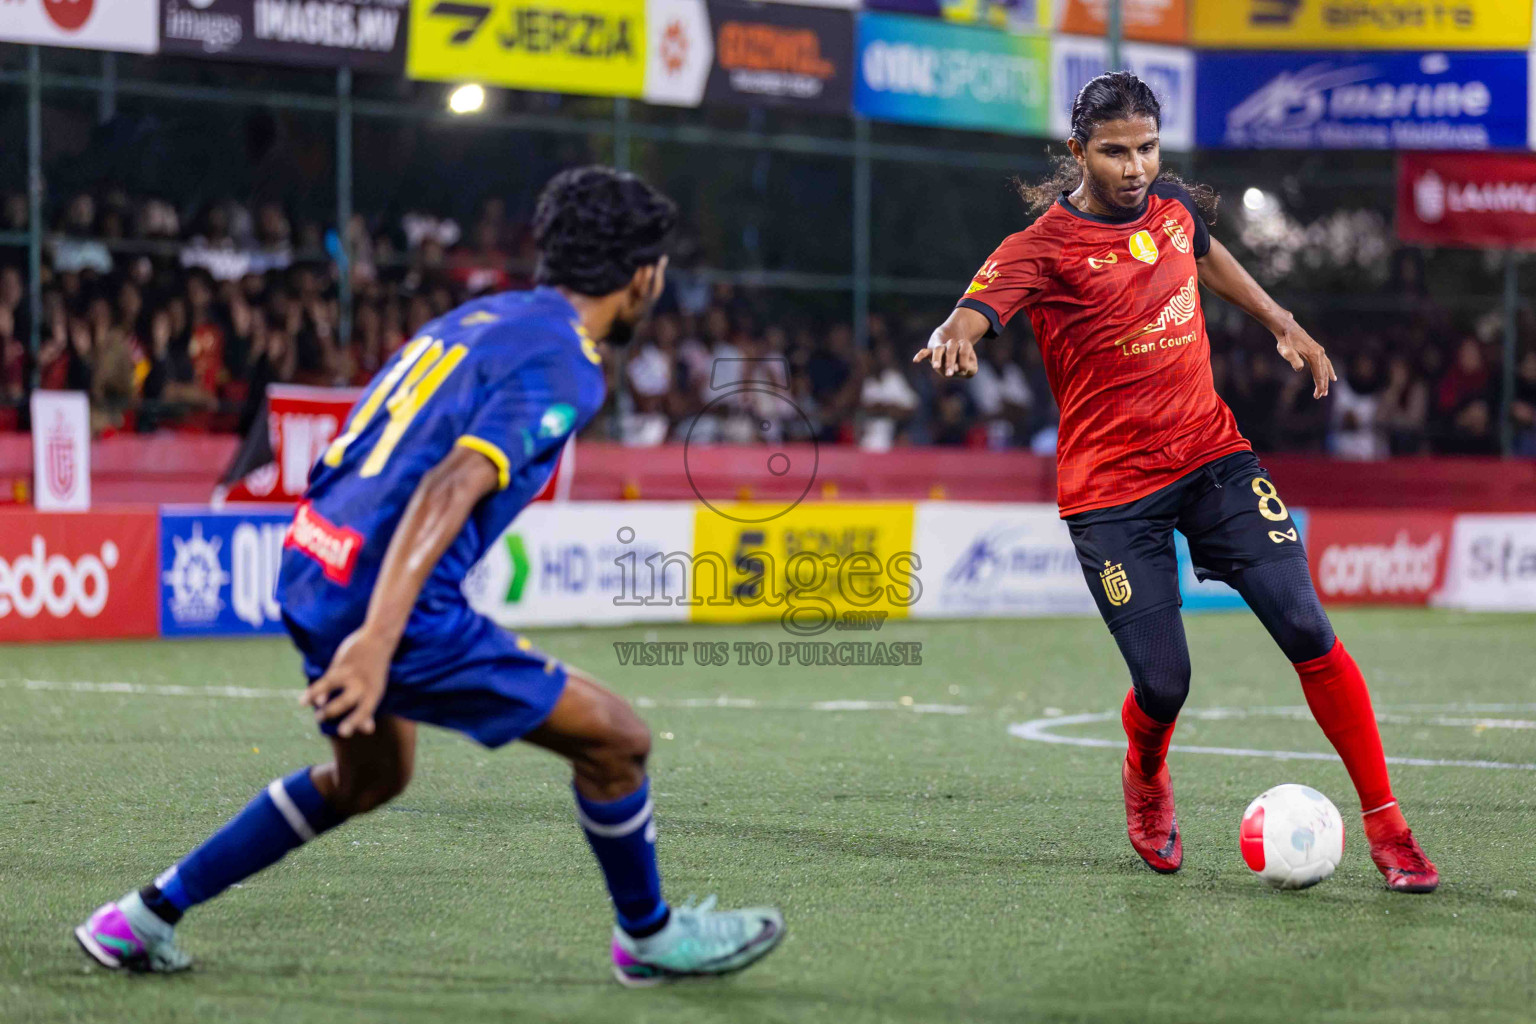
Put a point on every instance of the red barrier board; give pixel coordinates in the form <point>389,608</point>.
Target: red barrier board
<point>78,575</point>
<point>1473,200</point>
<point>1383,557</point>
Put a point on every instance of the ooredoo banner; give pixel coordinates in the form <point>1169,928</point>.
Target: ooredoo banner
<point>1474,200</point>
<point>592,47</point>
<point>218,570</point>
<point>1414,100</point>
<point>77,575</point>
<point>1492,565</point>
<point>364,34</point>
<point>1382,557</point>
<point>128,25</point>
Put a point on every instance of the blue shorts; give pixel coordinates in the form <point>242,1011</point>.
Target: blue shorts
<point>457,670</point>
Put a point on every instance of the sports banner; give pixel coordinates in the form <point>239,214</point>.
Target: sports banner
<point>61,450</point>
<point>1169,70</point>
<point>1153,21</point>
<point>740,53</point>
<point>128,25</point>
<point>990,560</point>
<point>1477,201</point>
<point>589,562</point>
<point>810,568</point>
<point>273,464</point>
<point>1492,564</point>
<point>1362,24</point>
<point>1381,557</point>
<point>218,570</point>
<point>77,575</point>
<point>1009,15</point>
<point>924,72</point>
<point>593,47</point>
<point>364,34</point>
<point>1362,100</point>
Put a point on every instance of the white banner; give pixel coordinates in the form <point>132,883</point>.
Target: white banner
<point>680,50</point>
<point>131,25</point>
<point>587,562</point>
<point>1492,565</point>
<point>1169,70</point>
<point>61,450</point>
<point>996,561</point>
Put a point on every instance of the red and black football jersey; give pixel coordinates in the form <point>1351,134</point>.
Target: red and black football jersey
<point>1115,304</point>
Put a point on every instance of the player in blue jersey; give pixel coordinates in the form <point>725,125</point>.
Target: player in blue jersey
<point>450,442</point>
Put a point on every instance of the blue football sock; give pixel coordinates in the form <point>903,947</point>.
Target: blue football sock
<point>285,815</point>
<point>622,834</point>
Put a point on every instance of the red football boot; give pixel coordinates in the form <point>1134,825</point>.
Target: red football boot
<point>1397,854</point>
<point>1150,820</point>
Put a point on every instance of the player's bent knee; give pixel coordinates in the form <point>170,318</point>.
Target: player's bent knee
<point>353,793</point>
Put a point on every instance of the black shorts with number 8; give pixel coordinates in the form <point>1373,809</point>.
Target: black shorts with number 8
<point>1228,510</point>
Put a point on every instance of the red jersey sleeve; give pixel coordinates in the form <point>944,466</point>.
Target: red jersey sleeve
<point>1014,274</point>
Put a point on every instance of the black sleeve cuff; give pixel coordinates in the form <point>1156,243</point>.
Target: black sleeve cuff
<point>985,310</point>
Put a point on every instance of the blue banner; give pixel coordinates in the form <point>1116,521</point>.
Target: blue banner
<point>1269,100</point>
<point>218,570</point>
<point>1209,595</point>
<point>923,71</point>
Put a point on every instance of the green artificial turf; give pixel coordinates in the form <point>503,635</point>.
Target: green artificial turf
<point>931,866</point>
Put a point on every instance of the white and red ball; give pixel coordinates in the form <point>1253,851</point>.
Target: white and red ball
<point>1292,836</point>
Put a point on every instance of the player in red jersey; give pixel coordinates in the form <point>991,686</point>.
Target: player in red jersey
<point>1109,275</point>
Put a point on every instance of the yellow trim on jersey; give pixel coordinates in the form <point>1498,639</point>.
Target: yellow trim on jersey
<point>490,451</point>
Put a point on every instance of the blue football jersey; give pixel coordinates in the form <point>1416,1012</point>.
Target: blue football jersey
<point>510,376</point>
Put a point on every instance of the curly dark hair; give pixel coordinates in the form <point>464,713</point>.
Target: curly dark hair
<point>596,226</point>
<point>1115,96</point>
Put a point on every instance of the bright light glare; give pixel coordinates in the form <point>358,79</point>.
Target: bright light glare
<point>467,99</point>
<point>1254,199</point>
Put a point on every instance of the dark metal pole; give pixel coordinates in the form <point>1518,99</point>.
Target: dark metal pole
<point>344,205</point>
<point>106,100</point>
<point>861,230</point>
<point>1115,34</point>
<point>1511,331</point>
<point>621,134</point>
<point>34,206</point>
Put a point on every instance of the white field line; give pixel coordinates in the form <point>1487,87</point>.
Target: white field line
<point>246,692</point>
<point>1041,730</point>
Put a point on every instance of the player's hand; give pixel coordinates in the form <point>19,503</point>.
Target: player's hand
<point>1297,348</point>
<point>950,357</point>
<point>353,685</point>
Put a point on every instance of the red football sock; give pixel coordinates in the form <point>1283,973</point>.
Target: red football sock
<point>1336,693</point>
<point>1149,737</point>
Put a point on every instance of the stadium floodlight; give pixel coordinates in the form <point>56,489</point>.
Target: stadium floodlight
<point>1255,199</point>
<point>467,99</point>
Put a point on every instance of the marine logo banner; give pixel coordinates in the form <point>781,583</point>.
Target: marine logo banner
<point>594,47</point>
<point>1362,100</point>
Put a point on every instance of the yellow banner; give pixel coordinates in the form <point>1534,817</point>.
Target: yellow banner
<point>831,570</point>
<point>1362,24</point>
<point>575,46</point>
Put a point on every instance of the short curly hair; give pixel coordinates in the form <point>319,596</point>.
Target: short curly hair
<point>596,226</point>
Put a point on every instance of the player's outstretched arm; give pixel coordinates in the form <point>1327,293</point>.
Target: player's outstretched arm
<point>951,348</point>
<point>1222,274</point>
<point>353,685</point>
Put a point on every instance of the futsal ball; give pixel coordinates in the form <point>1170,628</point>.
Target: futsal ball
<point>1292,836</point>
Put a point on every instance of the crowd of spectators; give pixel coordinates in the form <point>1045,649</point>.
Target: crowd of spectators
<point>177,322</point>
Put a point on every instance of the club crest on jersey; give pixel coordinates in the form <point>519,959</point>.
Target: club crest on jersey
<point>1175,232</point>
<point>984,277</point>
<point>1143,247</point>
<point>1107,259</point>
<point>1116,587</point>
